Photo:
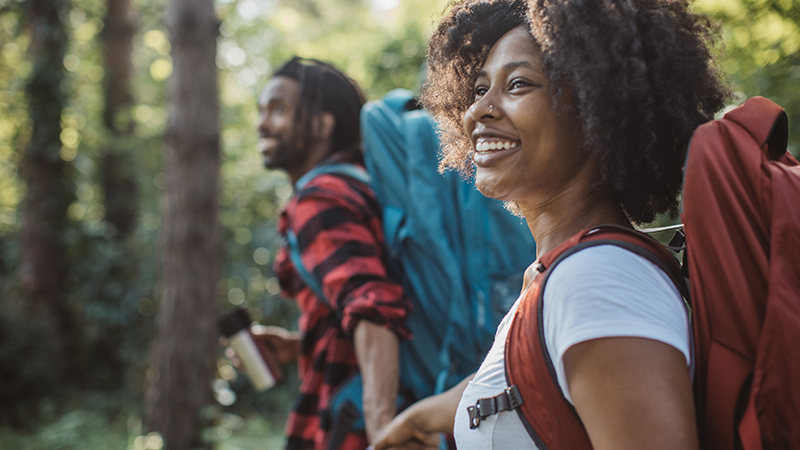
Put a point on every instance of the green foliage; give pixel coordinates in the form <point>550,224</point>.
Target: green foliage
<point>762,52</point>
<point>29,362</point>
<point>85,420</point>
<point>14,121</point>
<point>96,422</point>
<point>111,285</point>
<point>83,429</point>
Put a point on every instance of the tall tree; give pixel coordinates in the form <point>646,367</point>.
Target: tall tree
<point>191,252</point>
<point>48,193</point>
<point>119,181</point>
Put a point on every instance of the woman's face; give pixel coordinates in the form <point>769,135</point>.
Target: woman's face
<point>525,151</point>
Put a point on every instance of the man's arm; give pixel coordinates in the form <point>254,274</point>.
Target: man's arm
<point>346,254</point>
<point>377,353</point>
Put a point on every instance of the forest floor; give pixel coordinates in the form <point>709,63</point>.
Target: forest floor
<point>103,422</point>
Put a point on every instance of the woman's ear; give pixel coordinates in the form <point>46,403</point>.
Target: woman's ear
<point>324,123</point>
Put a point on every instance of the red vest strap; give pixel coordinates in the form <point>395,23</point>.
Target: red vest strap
<point>550,420</point>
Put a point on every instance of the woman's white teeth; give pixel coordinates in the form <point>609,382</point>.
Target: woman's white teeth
<point>484,146</point>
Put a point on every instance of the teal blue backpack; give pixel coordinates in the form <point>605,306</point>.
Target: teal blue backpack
<point>459,255</point>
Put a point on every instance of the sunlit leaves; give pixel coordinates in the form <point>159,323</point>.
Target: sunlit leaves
<point>757,32</point>
<point>762,42</point>
<point>15,126</point>
<point>156,40</point>
<point>161,69</point>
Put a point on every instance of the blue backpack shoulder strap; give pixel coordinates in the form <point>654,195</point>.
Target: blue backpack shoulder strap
<point>345,169</point>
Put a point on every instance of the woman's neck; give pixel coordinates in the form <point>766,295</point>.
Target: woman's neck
<point>579,207</point>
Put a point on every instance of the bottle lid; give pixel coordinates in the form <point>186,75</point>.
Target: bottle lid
<point>234,322</point>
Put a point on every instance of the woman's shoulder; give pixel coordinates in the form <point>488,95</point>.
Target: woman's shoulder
<point>609,291</point>
<point>606,267</point>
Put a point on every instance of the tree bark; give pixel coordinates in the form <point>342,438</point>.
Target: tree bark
<point>119,180</point>
<point>187,343</point>
<point>48,194</point>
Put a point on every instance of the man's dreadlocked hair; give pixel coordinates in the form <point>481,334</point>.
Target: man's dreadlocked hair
<point>637,76</point>
<point>324,88</point>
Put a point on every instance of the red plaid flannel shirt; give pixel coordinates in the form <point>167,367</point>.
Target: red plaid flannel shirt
<point>337,223</point>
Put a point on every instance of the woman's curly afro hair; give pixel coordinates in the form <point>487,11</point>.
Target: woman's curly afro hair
<point>639,74</point>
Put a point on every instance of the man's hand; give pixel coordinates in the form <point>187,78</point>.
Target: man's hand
<point>274,343</point>
<point>284,344</point>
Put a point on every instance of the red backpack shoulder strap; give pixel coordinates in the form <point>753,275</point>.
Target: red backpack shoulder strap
<point>527,360</point>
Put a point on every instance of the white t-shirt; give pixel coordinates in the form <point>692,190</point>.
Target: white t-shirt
<point>600,291</point>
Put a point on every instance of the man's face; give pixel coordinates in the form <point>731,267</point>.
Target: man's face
<point>277,105</point>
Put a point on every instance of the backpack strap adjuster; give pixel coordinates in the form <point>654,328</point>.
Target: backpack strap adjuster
<point>508,400</point>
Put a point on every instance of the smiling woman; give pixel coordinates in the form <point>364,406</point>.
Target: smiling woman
<point>578,115</point>
<point>625,71</point>
<point>523,146</point>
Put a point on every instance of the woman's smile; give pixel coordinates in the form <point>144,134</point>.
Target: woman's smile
<point>491,149</point>
<point>486,145</point>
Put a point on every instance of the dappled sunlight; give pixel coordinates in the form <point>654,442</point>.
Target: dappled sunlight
<point>151,441</point>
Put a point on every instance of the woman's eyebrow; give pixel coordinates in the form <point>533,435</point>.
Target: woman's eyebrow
<point>507,67</point>
<point>513,65</point>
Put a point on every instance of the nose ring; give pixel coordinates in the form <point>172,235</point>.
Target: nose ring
<point>490,109</point>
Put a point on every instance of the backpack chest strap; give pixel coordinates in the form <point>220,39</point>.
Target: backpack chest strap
<point>508,400</point>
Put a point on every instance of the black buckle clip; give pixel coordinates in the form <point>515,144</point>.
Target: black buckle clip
<point>474,416</point>
<point>678,241</point>
<point>509,400</point>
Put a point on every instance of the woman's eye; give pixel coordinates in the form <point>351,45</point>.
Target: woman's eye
<point>517,84</point>
<point>480,91</point>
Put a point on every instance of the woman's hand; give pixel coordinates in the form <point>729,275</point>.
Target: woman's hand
<point>404,433</point>
<point>418,427</point>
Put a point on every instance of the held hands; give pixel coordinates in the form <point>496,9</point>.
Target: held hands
<point>418,426</point>
<point>405,433</point>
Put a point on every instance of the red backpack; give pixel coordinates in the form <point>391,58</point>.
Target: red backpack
<point>741,218</point>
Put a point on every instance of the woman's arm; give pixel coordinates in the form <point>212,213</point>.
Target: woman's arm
<point>422,421</point>
<point>632,393</point>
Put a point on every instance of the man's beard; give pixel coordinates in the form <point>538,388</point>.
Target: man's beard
<point>285,156</point>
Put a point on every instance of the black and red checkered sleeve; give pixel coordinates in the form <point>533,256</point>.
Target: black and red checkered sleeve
<point>337,223</point>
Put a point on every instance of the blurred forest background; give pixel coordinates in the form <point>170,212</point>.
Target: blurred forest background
<point>95,175</point>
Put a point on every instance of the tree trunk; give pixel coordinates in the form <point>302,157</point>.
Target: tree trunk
<point>187,344</point>
<point>48,194</point>
<point>119,181</point>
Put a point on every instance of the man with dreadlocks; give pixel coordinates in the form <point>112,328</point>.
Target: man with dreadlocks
<point>352,320</point>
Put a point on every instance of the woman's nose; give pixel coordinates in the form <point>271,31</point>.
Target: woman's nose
<point>483,109</point>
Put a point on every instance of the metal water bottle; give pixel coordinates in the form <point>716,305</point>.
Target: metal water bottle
<point>236,327</point>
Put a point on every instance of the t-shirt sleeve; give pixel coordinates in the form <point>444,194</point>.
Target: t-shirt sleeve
<point>607,291</point>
